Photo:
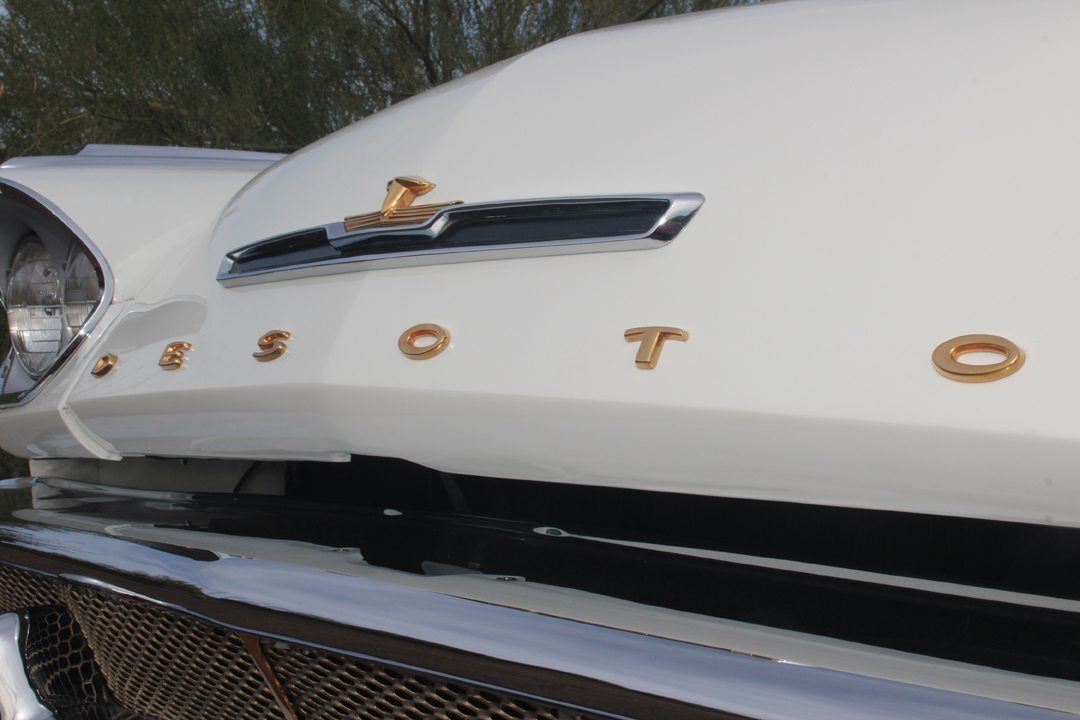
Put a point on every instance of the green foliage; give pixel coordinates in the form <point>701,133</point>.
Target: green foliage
<point>220,73</point>
<point>254,74</point>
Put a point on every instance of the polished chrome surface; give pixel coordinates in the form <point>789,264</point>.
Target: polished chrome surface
<point>681,208</point>
<point>784,582</point>
<point>19,193</point>
<point>17,698</point>
<point>696,675</point>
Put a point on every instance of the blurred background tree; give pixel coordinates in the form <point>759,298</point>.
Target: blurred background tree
<point>253,74</point>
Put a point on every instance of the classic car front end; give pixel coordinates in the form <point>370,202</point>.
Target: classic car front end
<point>628,378</point>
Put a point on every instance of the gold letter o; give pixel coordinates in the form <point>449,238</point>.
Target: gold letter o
<point>407,342</point>
<point>947,363</point>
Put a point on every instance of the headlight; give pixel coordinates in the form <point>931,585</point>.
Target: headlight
<point>57,289</point>
<point>35,307</point>
<point>82,291</point>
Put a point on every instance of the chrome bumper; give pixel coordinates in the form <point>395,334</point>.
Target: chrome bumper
<point>17,699</point>
<point>599,670</point>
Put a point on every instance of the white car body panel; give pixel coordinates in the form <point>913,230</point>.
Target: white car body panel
<point>879,177</point>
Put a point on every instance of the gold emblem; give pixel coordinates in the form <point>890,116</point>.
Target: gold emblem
<point>398,208</point>
<point>946,358</point>
<point>174,356</point>
<point>652,340</point>
<point>271,346</point>
<point>407,341</point>
<point>104,365</point>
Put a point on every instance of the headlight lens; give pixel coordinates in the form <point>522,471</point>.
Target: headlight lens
<point>82,291</point>
<point>34,306</point>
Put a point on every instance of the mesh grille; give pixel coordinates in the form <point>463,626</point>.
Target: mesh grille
<point>91,651</point>
<point>168,665</point>
<point>322,686</point>
<point>20,589</point>
<point>62,670</point>
<point>58,661</point>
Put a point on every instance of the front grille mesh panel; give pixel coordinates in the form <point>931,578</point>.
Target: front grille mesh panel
<point>58,660</point>
<point>62,670</point>
<point>331,687</point>
<point>20,589</point>
<point>168,665</point>
<point>107,656</point>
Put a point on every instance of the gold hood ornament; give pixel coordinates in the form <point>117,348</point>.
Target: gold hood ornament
<point>398,208</point>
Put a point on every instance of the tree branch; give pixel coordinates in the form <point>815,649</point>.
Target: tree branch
<point>647,12</point>
<point>424,56</point>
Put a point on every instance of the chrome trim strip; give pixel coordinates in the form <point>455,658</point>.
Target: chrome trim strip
<point>21,193</point>
<point>681,208</point>
<point>830,571</point>
<point>18,701</point>
<point>698,676</point>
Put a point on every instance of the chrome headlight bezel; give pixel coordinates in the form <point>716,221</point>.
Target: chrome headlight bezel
<point>24,213</point>
<point>82,293</point>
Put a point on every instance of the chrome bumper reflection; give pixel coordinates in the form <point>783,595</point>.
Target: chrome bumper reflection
<point>642,667</point>
<point>17,698</point>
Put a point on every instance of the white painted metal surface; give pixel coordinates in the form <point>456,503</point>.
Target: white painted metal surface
<point>152,155</point>
<point>879,177</point>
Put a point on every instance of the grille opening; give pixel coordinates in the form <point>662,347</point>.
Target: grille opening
<point>62,670</point>
<point>167,665</point>
<point>412,519</point>
<point>577,537</point>
<point>1036,559</point>
<point>333,687</point>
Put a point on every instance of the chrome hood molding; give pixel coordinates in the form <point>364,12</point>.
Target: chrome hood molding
<point>467,232</point>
